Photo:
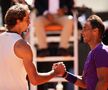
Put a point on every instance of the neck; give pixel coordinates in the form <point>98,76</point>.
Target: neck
<point>93,44</point>
<point>14,31</point>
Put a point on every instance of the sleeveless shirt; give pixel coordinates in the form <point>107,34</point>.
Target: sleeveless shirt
<point>12,71</point>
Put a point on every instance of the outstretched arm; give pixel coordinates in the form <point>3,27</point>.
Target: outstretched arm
<point>77,80</point>
<point>23,51</point>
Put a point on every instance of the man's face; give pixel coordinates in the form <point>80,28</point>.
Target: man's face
<point>25,23</point>
<point>87,32</point>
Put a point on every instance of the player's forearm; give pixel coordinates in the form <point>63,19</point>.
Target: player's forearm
<point>45,77</point>
<point>39,78</point>
<point>77,80</point>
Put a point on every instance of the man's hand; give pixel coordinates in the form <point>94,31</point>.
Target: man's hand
<point>59,68</point>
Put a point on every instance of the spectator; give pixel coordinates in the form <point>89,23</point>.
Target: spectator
<point>61,17</point>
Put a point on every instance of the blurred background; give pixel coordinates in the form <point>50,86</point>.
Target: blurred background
<point>77,49</point>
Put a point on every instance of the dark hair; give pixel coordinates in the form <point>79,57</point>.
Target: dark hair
<point>105,37</point>
<point>96,22</point>
<point>14,13</point>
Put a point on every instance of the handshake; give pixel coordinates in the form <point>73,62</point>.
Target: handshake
<point>59,69</point>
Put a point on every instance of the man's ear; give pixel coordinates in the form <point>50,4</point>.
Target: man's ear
<point>96,30</point>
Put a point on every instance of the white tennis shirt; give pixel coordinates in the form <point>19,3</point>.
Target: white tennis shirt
<point>12,72</point>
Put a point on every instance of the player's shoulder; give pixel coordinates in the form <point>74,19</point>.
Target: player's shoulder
<point>22,45</point>
<point>22,48</point>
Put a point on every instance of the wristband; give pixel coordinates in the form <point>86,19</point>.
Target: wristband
<point>70,77</point>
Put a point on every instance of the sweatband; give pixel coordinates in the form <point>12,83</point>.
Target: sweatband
<point>70,77</point>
